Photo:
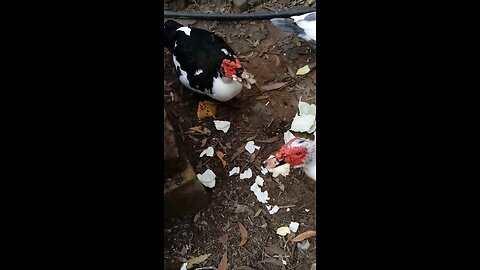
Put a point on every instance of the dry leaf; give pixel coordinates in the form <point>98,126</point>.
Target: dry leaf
<point>243,234</point>
<point>220,155</point>
<point>275,250</point>
<point>273,86</point>
<point>197,260</point>
<point>303,70</point>
<point>197,129</point>
<point>272,261</point>
<point>206,108</point>
<point>304,235</point>
<point>277,61</point>
<point>291,72</point>
<point>223,265</point>
<point>223,239</point>
<point>261,97</point>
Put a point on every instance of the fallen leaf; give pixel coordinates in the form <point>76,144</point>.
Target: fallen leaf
<point>241,208</point>
<point>273,86</point>
<point>197,260</point>
<point>206,109</point>
<point>197,129</point>
<point>243,234</point>
<point>258,213</point>
<point>220,155</point>
<point>291,72</point>
<point>261,97</point>
<point>223,239</point>
<point>272,261</point>
<point>303,70</point>
<point>275,250</point>
<point>304,235</point>
<point>223,265</point>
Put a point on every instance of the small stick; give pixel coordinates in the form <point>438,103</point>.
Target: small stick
<point>287,206</point>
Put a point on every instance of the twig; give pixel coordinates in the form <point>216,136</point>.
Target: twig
<point>206,267</point>
<point>270,123</point>
<point>287,206</point>
<point>247,251</point>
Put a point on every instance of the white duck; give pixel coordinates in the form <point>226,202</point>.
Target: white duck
<point>304,26</point>
<point>299,153</point>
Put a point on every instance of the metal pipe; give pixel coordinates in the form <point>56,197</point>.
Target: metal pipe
<point>237,16</point>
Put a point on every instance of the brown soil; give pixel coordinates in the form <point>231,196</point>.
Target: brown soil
<point>254,115</point>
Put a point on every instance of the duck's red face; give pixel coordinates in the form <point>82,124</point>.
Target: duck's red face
<point>292,155</point>
<point>231,68</point>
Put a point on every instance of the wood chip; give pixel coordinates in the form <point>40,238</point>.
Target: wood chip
<point>243,234</point>
<point>273,86</point>
<point>269,140</point>
<point>304,235</point>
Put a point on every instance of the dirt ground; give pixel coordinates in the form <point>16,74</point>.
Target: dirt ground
<point>258,115</point>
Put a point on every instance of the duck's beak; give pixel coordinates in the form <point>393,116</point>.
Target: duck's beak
<point>272,163</point>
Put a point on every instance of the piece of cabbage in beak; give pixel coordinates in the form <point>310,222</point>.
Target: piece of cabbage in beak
<point>248,79</point>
